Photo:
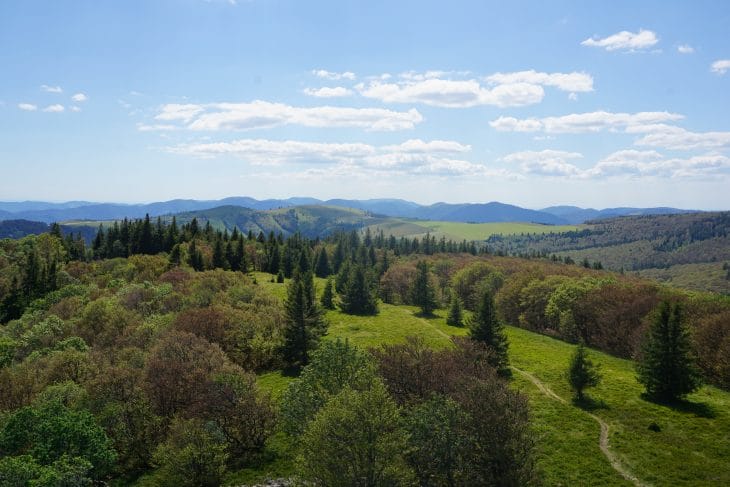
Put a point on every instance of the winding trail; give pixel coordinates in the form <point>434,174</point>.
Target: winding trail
<point>603,439</point>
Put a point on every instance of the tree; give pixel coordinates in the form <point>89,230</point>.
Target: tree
<point>582,373</point>
<point>322,265</point>
<point>422,291</point>
<point>328,298</point>
<point>667,368</point>
<point>356,440</point>
<point>456,313</point>
<point>305,323</point>
<point>485,327</point>
<point>357,297</point>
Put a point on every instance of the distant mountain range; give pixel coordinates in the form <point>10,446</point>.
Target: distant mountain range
<point>456,212</point>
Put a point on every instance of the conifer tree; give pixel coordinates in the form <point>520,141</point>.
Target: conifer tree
<point>456,311</point>
<point>328,298</point>
<point>305,323</point>
<point>322,266</point>
<point>667,368</point>
<point>485,327</point>
<point>219,260</point>
<point>582,372</point>
<point>358,297</point>
<point>422,293</point>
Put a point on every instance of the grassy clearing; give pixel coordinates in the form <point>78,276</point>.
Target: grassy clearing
<point>459,231</point>
<point>692,447</point>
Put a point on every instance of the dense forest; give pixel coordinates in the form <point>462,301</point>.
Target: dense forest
<point>135,358</point>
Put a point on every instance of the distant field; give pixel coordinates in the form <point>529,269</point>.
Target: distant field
<point>402,227</point>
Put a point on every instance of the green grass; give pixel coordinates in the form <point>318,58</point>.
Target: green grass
<point>692,447</point>
<point>459,231</point>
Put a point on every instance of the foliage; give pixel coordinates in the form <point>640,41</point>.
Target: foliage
<point>422,291</point>
<point>667,368</point>
<point>356,440</point>
<point>485,327</point>
<point>456,314</point>
<point>357,297</point>
<point>582,373</point>
<point>305,322</point>
<point>334,366</point>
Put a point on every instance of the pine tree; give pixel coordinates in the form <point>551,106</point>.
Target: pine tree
<point>280,277</point>
<point>456,311</point>
<point>219,260</point>
<point>422,293</point>
<point>322,266</point>
<point>667,368</point>
<point>328,297</point>
<point>305,323</point>
<point>485,327</point>
<point>357,297</point>
<point>582,373</point>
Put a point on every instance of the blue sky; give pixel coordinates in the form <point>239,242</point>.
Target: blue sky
<point>599,104</point>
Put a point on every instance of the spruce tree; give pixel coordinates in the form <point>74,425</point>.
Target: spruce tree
<point>667,368</point>
<point>485,327</point>
<point>328,297</point>
<point>219,259</point>
<point>582,372</point>
<point>322,266</point>
<point>456,311</point>
<point>357,297</point>
<point>305,323</point>
<point>422,293</point>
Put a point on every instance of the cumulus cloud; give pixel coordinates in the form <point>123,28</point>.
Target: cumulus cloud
<point>412,157</point>
<point>56,108</point>
<point>325,92</point>
<point>677,138</point>
<point>624,41</point>
<point>261,114</point>
<point>79,97</point>
<point>633,163</point>
<point>685,49</point>
<point>572,82</point>
<point>546,162</point>
<point>51,89</point>
<point>28,107</point>
<point>720,66</point>
<point>323,73</point>
<point>453,93</point>
<point>584,122</point>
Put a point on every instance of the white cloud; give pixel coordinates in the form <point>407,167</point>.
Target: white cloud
<point>79,97</point>
<point>572,96</point>
<point>632,163</point>
<point>326,92</point>
<point>323,73</point>
<point>624,40</point>
<point>412,157</point>
<point>573,82</point>
<point>56,108</point>
<point>51,89</point>
<point>453,93</point>
<point>583,122</point>
<point>261,114</point>
<point>677,138</point>
<point>28,107</point>
<point>546,163</point>
<point>720,66</point>
<point>74,108</point>
<point>685,49</point>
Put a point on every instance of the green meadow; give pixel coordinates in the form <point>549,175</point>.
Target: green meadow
<point>403,227</point>
<point>692,445</point>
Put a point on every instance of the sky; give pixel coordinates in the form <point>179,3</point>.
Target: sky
<point>594,104</point>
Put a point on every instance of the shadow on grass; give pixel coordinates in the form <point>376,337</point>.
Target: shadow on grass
<point>699,409</point>
<point>426,316</point>
<point>589,404</point>
<point>291,371</point>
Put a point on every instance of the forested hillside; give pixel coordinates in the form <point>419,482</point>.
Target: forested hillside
<point>668,246</point>
<point>137,359</point>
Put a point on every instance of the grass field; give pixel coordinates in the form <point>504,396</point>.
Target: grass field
<point>692,447</point>
<point>402,227</point>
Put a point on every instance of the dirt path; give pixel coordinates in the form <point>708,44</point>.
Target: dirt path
<point>603,439</point>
